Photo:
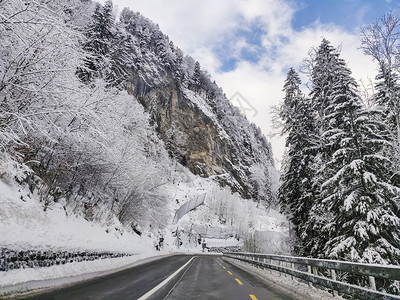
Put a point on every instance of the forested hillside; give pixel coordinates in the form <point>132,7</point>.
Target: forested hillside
<point>340,180</point>
<point>97,112</point>
<point>193,117</point>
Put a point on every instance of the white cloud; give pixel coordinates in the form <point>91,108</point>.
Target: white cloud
<point>198,27</point>
<point>261,84</point>
<point>190,24</point>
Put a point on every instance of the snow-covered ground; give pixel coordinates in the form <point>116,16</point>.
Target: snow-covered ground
<point>24,225</point>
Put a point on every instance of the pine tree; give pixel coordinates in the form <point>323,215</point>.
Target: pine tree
<point>109,48</point>
<point>120,59</point>
<point>98,36</point>
<point>196,78</point>
<point>295,194</point>
<point>323,77</point>
<point>358,193</point>
<point>163,50</point>
<point>180,74</point>
<point>354,213</point>
<point>326,66</point>
<point>388,97</point>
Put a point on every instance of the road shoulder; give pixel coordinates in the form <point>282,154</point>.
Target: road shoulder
<point>282,284</point>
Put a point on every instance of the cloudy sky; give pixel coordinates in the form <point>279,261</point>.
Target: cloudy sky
<point>248,45</point>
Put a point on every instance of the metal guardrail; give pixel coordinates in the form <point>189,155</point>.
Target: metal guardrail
<point>274,262</point>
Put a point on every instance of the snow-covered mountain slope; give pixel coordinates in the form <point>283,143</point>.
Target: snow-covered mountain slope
<point>201,129</point>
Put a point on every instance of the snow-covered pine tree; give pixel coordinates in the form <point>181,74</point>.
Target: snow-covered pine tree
<point>109,48</point>
<point>388,94</point>
<point>322,78</point>
<point>363,224</point>
<point>388,97</point>
<point>324,74</point>
<point>381,40</point>
<point>163,50</point>
<point>295,194</point>
<point>180,72</point>
<point>196,78</point>
<point>99,33</point>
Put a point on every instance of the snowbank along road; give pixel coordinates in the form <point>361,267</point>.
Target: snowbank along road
<point>174,277</point>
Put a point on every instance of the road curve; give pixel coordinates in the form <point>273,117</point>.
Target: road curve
<point>204,277</point>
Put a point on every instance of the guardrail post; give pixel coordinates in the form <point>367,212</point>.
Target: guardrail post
<point>292,267</point>
<point>309,271</point>
<point>333,275</point>
<point>270,262</point>
<point>372,283</point>
<point>285,264</point>
<point>315,272</point>
<point>288,266</point>
<point>279,264</point>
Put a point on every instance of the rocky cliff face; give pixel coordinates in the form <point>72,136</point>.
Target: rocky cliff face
<point>196,138</point>
<point>191,137</point>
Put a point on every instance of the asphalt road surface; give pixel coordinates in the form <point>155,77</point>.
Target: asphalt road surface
<point>203,277</point>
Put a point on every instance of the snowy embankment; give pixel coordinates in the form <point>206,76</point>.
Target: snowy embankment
<point>25,226</point>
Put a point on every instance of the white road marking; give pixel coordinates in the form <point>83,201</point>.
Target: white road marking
<point>155,289</point>
<point>188,268</point>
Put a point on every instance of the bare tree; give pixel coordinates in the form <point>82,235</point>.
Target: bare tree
<point>381,40</point>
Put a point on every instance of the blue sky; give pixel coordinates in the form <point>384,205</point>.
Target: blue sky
<point>248,45</point>
<point>349,14</point>
<point>252,36</point>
